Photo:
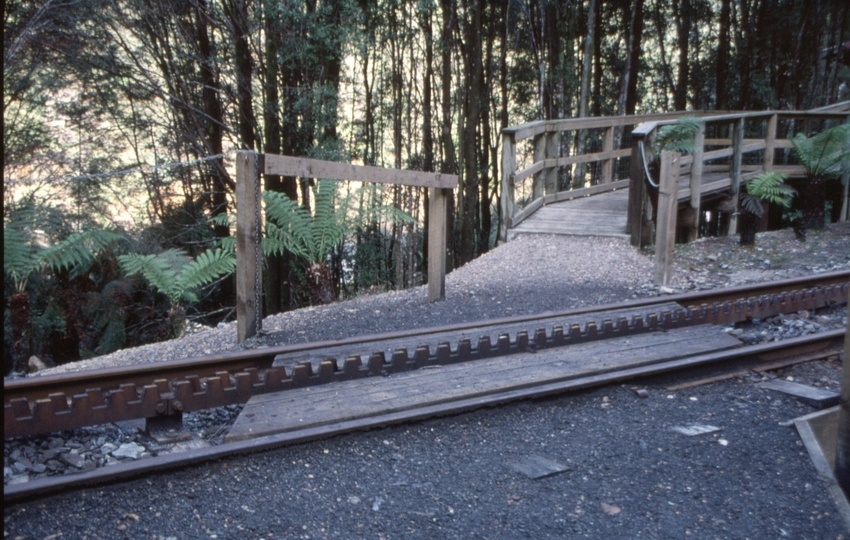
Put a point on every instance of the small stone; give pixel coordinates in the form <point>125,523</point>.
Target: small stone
<point>129,450</point>
<point>666,290</point>
<point>39,468</point>
<point>73,459</point>
<point>36,364</point>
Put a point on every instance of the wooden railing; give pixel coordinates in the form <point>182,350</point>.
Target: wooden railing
<point>547,136</point>
<point>249,165</point>
<point>674,166</point>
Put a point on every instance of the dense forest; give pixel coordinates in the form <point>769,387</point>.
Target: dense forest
<point>121,119</point>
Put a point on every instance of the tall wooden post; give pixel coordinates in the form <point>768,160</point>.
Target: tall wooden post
<point>696,184</point>
<point>249,270</point>
<point>437,209</point>
<point>770,142</point>
<point>842,449</point>
<point>506,201</point>
<point>637,196</point>
<point>539,181</point>
<point>665,227</point>
<point>735,188</point>
<point>608,164</point>
<point>550,174</point>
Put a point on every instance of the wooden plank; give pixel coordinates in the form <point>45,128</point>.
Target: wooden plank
<point>248,272</point>
<point>528,171</point>
<point>737,159</point>
<point>437,207</point>
<point>820,398</point>
<point>584,192</point>
<point>539,157</point>
<point>770,142</point>
<point>315,168</point>
<point>665,229</point>
<point>634,213</point>
<point>696,183</point>
<point>607,148</point>
<point>520,216</point>
<point>507,196</point>
<point>345,401</point>
<point>550,175</point>
<point>586,158</point>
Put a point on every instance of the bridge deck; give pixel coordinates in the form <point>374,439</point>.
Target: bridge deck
<point>603,214</point>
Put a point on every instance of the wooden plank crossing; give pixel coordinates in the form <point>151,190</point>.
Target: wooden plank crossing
<point>432,340</point>
<point>382,397</point>
<point>605,214</point>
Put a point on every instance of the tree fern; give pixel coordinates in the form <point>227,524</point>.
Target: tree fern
<point>827,154</point>
<point>678,137</point>
<point>19,257</point>
<point>175,274</point>
<point>766,187</point>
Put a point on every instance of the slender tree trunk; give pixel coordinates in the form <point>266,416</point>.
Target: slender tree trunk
<point>449,158</point>
<point>722,67</point>
<point>578,181</point>
<point>683,29</point>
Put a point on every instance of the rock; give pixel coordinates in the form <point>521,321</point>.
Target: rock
<point>129,450</point>
<point>35,364</point>
<point>666,290</point>
<point>39,468</point>
<point>73,459</point>
<point>107,448</point>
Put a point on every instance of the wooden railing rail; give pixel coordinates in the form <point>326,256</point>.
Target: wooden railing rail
<point>546,160</point>
<point>673,165</point>
<point>249,275</point>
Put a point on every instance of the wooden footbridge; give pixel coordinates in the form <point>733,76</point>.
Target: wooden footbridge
<point>640,196</point>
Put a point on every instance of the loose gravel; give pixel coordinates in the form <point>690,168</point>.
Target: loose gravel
<point>531,275</point>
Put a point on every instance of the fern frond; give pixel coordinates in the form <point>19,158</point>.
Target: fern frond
<point>204,269</point>
<point>158,270</point>
<point>19,257</point>
<point>827,154</point>
<point>678,137</point>
<point>78,249</point>
<point>766,187</point>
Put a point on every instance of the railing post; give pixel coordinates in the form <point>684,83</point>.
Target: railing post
<point>665,227</point>
<point>608,164</point>
<point>550,175</point>
<point>637,227</point>
<point>539,156</point>
<point>845,192</point>
<point>437,209</point>
<point>735,187</point>
<point>696,184</point>
<point>249,274</point>
<point>507,205</point>
<point>770,142</point>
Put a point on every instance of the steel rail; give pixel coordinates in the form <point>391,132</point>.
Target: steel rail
<point>815,346</point>
<point>166,389</point>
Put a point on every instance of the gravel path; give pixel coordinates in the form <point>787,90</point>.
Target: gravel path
<point>630,475</point>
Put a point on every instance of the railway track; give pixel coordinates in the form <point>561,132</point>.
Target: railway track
<point>162,392</point>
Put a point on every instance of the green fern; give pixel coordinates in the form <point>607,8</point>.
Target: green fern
<point>678,137</point>
<point>827,154</point>
<point>175,274</point>
<point>766,187</point>
<point>22,257</point>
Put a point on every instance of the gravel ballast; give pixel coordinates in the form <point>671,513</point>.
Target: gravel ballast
<point>470,470</point>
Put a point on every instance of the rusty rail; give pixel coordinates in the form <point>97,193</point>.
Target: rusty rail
<point>52,403</point>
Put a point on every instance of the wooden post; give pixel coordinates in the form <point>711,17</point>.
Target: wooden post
<point>508,170</point>
<point>665,228</point>
<point>539,157</point>
<point>735,173</point>
<point>696,183</point>
<point>437,208</point>
<point>637,194</point>
<point>845,197</point>
<point>550,175</point>
<point>770,142</point>
<point>249,275</point>
<point>842,448</point>
<point>608,164</point>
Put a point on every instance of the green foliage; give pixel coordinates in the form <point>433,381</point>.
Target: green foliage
<point>767,187</point>
<point>22,257</point>
<point>177,275</point>
<point>827,154</point>
<point>291,227</point>
<point>678,137</point>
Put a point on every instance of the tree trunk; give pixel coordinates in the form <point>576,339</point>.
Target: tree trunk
<point>749,224</point>
<point>813,202</point>
<point>20,314</point>
<point>578,181</point>
<point>449,158</point>
<point>474,78</point>
<point>722,66</point>
<point>683,29</point>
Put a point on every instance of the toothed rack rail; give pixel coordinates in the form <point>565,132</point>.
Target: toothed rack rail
<point>167,389</point>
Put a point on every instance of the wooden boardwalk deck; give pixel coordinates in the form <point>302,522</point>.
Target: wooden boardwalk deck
<point>376,401</point>
<point>602,214</point>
